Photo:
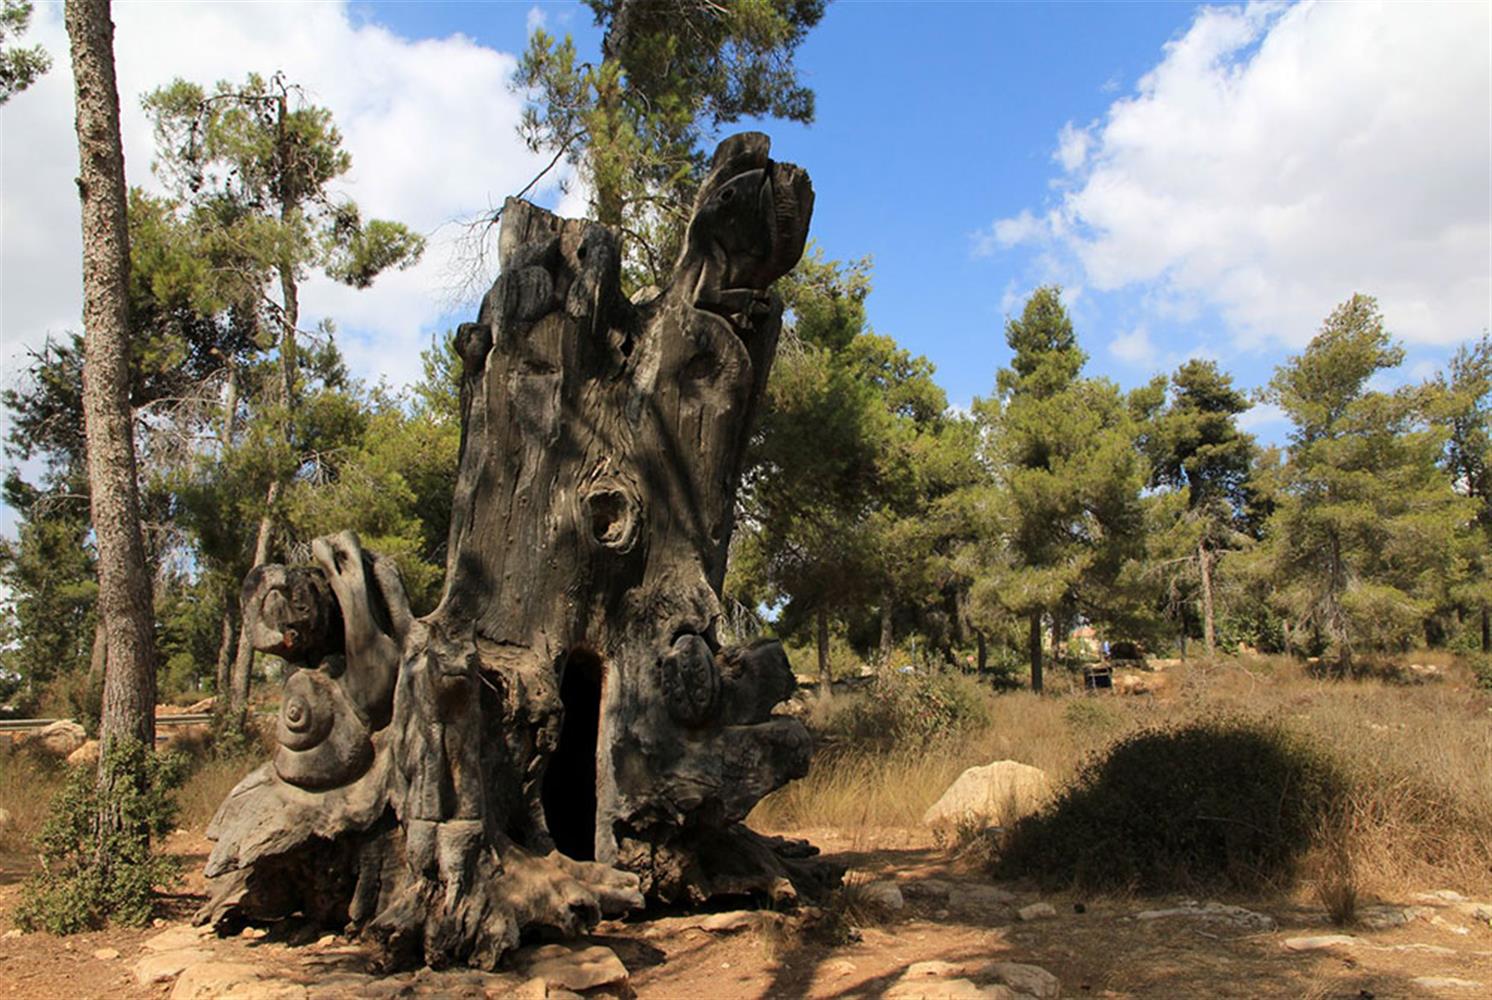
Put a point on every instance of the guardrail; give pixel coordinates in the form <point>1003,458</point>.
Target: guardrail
<point>36,725</point>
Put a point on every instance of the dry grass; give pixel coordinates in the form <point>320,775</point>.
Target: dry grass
<point>1419,754</point>
<point>208,786</point>
<point>27,786</point>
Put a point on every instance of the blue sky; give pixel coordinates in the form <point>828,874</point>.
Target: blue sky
<point>936,120</point>
<point>1201,180</point>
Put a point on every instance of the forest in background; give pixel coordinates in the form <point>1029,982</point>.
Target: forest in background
<point>876,524</point>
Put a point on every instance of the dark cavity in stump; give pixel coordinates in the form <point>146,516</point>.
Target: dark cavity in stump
<point>569,794</point>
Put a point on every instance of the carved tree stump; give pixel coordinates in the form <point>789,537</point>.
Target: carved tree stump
<point>564,734</point>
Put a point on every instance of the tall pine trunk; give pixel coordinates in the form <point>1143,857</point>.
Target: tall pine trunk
<point>124,599</point>
<point>1035,644</point>
<point>983,651</point>
<point>888,635</point>
<point>826,687</point>
<point>1204,564</point>
<point>243,662</point>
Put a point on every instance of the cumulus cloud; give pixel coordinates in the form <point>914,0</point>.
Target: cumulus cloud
<point>1278,159</point>
<point>1134,348</point>
<point>429,124</point>
<point>1072,147</point>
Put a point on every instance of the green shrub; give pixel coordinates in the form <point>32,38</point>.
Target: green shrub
<point>92,872</point>
<point>1218,802</point>
<point>1481,668</point>
<point>911,711</point>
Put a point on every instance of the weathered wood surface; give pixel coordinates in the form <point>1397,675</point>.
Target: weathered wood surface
<point>565,733</point>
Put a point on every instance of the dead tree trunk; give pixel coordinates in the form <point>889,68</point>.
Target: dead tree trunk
<point>124,603</point>
<point>1204,566</point>
<point>570,690</point>
<point>1034,646</point>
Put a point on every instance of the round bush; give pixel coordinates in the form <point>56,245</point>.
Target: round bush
<point>1220,802</point>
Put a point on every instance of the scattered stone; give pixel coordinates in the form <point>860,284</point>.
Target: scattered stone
<point>840,967</point>
<point>60,738</point>
<point>532,989</point>
<point>884,894</point>
<point>1445,983</point>
<point>996,794</point>
<point>232,981</point>
<point>85,756</point>
<point>1446,925</point>
<point>1036,911</point>
<point>253,933</point>
<point>933,969</point>
<point>1320,942</point>
<point>1381,918</point>
<point>1420,949</point>
<point>1031,980</point>
<point>173,939</point>
<point>578,968</point>
<point>5,818</point>
<point>927,888</point>
<point>1441,896</point>
<point>946,989</point>
<point>106,954</point>
<point>159,966</point>
<point>11,934</point>
<point>729,922</point>
<point>1214,913</point>
<point>979,897</point>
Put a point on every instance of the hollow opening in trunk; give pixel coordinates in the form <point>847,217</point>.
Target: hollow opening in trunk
<point>569,792</point>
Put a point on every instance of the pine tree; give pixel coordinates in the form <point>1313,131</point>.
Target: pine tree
<point>1358,541</point>
<point>1464,408</point>
<point>670,73</point>
<point>249,169</point>
<point>1062,451</point>
<point>1196,447</point>
<point>124,580</point>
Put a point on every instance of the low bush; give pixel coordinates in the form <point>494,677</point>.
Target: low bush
<point>93,872</point>
<point>1221,801</point>
<point>912,711</point>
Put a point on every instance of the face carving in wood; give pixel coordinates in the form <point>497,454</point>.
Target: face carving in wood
<point>570,689</point>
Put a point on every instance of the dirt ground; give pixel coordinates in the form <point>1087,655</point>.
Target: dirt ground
<point>1095,947</point>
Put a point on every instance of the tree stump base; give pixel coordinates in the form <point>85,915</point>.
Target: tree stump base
<point>564,736</point>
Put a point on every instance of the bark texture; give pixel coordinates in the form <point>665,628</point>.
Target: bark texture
<point>564,734</point>
<point>124,601</point>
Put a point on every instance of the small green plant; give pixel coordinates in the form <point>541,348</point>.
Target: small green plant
<point>1091,715</point>
<point>912,711</point>
<point>1481,669</point>
<point>94,871</point>
<point>1220,801</point>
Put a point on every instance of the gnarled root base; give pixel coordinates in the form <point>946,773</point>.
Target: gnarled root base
<point>472,900</point>
<point>732,862</point>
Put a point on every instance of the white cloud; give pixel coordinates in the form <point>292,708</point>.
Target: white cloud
<point>1134,348</point>
<point>429,124</point>
<point>536,19</point>
<point>1262,415</point>
<point>1278,159</point>
<point>1072,147</point>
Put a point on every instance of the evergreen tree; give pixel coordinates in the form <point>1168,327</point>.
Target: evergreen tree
<point>1196,448</point>
<point>19,67</point>
<point>1358,543</point>
<point>124,595</point>
<point>249,169</point>
<point>670,73</point>
<point>1062,451</point>
<point>1464,408</point>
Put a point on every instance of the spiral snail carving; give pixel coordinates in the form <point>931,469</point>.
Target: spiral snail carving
<point>323,742</point>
